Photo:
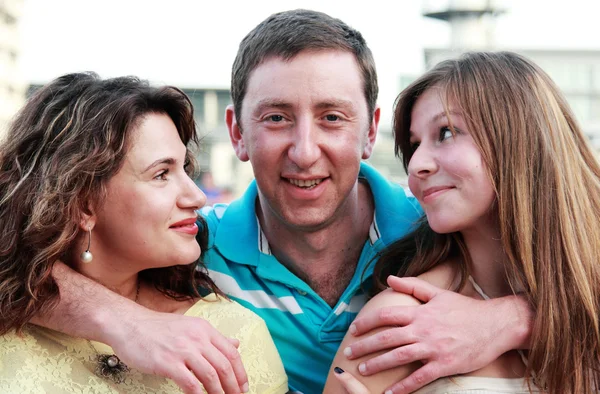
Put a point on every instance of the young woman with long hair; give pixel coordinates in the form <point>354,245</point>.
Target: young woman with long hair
<point>510,187</point>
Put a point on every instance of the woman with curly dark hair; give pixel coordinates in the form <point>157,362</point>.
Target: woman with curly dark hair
<point>95,173</point>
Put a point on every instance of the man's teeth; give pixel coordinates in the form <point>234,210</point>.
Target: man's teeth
<point>303,183</point>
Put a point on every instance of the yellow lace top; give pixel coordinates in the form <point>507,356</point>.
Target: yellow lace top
<point>46,361</point>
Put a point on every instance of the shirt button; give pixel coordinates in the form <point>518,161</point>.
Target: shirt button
<point>302,292</point>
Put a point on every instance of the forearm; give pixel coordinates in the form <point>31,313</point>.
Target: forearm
<point>199,356</point>
<point>86,308</point>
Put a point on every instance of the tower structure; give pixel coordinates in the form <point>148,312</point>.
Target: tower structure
<point>472,26</point>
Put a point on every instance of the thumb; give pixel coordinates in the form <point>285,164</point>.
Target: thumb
<point>418,288</point>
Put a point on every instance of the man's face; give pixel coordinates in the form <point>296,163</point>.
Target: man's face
<point>305,127</point>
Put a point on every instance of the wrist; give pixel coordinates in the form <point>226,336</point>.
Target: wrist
<point>517,317</point>
<point>110,325</point>
<point>523,322</point>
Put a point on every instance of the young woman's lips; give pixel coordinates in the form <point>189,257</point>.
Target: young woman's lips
<point>187,226</point>
<point>433,192</point>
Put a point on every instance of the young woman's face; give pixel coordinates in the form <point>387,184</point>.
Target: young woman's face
<point>446,172</point>
<point>149,214</point>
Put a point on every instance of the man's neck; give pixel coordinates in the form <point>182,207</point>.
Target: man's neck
<point>326,258</point>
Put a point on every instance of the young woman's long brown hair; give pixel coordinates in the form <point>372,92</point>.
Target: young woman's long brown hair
<point>63,147</point>
<point>547,183</point>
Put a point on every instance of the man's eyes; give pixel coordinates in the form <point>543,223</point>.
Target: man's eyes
<point>275,118</point>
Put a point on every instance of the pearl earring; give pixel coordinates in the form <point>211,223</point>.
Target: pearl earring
<point>86,257</point>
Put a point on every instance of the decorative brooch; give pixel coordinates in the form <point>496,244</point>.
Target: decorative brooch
<point>109,366</point>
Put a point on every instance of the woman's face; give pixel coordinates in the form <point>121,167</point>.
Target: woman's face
<point>148,217</point>
<point>446,172</point>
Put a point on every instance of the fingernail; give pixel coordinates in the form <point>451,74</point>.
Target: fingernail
<point>389,392</point>
<point>362,368</point>
<point>338,370</point>
<point>348,352</point>
<point>246,388</point>
<point>352,329</point>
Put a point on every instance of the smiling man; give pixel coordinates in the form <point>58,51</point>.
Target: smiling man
<point>297,248</point>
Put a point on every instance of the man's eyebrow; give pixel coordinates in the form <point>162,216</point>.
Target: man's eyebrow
<point>164,160</point>
<point>272,103</point>
<point>333,103</point>
<point>281,104</point>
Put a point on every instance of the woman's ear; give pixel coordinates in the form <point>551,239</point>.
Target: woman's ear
<point>87,219</point>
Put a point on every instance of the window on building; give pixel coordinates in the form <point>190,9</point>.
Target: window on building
<point>595,109</point>
<point>596,78</point>
<point>571,76</point>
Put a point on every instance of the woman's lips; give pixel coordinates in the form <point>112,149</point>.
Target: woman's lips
<point>432,192</point>
<point>187,226</point>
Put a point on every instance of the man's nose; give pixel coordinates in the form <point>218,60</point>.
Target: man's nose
<point>304,150</point>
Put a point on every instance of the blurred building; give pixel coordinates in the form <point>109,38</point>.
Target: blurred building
<point>216,154</point>
<point>12,87</point>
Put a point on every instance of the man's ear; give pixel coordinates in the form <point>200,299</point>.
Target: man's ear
<point>372,134</point>
<point>235,134</point>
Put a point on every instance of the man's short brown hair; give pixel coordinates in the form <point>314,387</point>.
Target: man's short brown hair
<point>285,34</point>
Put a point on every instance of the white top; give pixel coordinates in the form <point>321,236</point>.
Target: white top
<point>477,385</point>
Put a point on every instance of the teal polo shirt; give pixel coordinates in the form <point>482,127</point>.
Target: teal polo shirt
<point>305,329</point>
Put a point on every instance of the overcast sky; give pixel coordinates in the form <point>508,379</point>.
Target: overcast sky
<point>193,42</point>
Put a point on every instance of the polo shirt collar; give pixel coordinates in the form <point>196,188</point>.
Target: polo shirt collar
<point>240,219</point>
<point>238,226</point>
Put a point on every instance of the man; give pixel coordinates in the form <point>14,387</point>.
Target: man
<point>298,247</point>
<point>305,115</point>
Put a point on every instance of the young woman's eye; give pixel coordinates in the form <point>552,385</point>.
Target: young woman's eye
<point>445,133</point>
<point>414,146</point>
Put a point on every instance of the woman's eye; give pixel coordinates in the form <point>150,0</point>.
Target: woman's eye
<point>445,133</point>
<point>162,176</point>
<point>414,146</point>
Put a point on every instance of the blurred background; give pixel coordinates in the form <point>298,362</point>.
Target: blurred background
<point>192,44</point>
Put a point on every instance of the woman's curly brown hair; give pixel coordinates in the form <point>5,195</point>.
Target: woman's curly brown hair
<point>62,148</point>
